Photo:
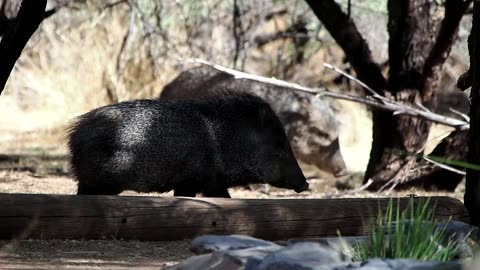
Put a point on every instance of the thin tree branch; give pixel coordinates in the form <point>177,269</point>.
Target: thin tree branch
<point>373,92</point>
<point>120,67</point>
<point>237,31</point>
<point>344,31</point>
<point>385,104</point>
<point>349,192</point>
<point>464,116</point>
<point>445,167</point>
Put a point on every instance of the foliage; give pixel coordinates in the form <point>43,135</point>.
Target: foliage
<point>413,235</point>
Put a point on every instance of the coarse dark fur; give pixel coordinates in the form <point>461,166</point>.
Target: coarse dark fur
<point>311,124</point>
<point>190,146</point>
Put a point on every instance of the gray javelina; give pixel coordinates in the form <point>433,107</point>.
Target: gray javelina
<point>197,146</point>
<point>312,129</point>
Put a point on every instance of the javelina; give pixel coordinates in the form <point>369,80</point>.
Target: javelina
<point>311,128</point>
<point>200,146</point>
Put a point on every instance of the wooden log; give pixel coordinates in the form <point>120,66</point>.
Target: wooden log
<point>41,216</point>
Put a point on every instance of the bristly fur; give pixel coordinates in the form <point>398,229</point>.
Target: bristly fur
<point>192,146</point>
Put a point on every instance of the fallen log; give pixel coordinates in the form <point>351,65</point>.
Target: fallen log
<point>41,216</point>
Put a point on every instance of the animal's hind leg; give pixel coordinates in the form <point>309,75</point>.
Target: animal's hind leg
<point>97,189</point>
<point>217,193</point>
<point>184,191</point>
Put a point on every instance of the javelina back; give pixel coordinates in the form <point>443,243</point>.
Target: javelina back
<point>201,146</point>
<point>312,129</point>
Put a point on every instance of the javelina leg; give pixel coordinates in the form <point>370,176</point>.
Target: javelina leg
<point>99,189</point>
<point>184,191</point>
<point>217,193</point>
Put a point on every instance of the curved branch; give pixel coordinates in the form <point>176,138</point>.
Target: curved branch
<point>9,11</point>
<point>343,30</point>
<point>29,18</point>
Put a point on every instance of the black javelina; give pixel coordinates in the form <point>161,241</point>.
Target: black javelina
<point>196,146</point>
<point>312,129</point>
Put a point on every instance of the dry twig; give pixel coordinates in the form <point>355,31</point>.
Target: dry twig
<point>377,101</point>
<point>349,192</point>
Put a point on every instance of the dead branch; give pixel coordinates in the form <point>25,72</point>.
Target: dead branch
<point>445,167</point>
<point>349,192</point>
<point>384,104</point>
<point>373,92</point>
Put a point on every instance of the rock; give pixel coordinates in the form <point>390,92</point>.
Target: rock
<point>460,230</point>
<point>465,235</point>
<point>303,256</point>
<point>406,264</point>
<point>238,252</point>
<point>341,244</point>
<point>210,243</point>
<point>242,259</point>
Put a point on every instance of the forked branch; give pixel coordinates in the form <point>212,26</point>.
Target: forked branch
<point>382,103</point>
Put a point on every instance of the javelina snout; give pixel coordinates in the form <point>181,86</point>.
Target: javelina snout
<point>190,146</point>
<point>278,165</point>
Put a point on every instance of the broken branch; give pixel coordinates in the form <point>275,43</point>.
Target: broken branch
<point>385,104</point>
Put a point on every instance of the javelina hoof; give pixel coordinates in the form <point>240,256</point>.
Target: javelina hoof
<point>303,188</point>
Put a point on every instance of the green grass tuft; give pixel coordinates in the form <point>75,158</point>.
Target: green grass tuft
<point>413,235</point>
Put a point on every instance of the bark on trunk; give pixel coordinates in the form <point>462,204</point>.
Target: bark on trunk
<point>343,30</point>
<point>472,186</point>
<point>418,46</point>
<point>26,23</point>
<point>434,178</point>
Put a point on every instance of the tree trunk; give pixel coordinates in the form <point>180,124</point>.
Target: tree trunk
<point>26,23</point>
<point>419,43</point>
<point>431,177</point>
<point>472,186</point>
<point>418,46</point>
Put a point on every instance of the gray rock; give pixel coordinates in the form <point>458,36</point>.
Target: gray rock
<point>465,235</point>
<point>242,259</point>
<point>342,244</point>
<point>406,264</point>
<point>303,256</point>
<point>460,230</point>
<point>210,243</point>
<point>238,252</point>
